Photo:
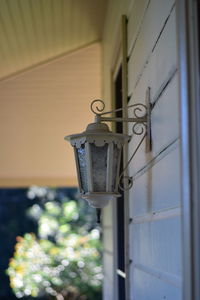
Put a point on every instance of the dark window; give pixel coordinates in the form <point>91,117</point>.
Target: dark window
<point>120,200</point>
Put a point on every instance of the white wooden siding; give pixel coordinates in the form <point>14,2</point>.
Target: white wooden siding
<point>160,66</point>
<point>165,127</point>
<point>164,179</point>
<point>154,200</point>
<point>153,252</point>
<point>154,20</point>
<point>135,21</point>
<point>153,288</point>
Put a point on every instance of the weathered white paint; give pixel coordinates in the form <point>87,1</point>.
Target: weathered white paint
<point>165,118</point>
<point>160,67</point>
<point>157,215</point>
<point>135,21</point>
<point>151,287</point>
<point>160,70</point>
<point>165,130</point>
<point>164,179</point>
<point>154,20</point>
<point>158,245</point>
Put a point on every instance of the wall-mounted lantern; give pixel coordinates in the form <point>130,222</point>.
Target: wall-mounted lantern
<point>98,153</point>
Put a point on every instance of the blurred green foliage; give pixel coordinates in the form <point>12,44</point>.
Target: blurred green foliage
<point>64,260</point>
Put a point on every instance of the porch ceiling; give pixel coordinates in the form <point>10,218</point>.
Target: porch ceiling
<point>35,31</point>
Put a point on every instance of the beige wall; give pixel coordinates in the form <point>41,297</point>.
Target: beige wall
<point>111,41</point>
<point>40,107</point>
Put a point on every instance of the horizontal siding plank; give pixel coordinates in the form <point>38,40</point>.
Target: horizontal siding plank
<point>165,118</point>
<point>149,287</point>
<point>167,277</point>
<point>164,60</point>
<point>157,245</point>
<point>164,179</point>
<point>164,127</point>
<point>161,65</point>
<point>135,21</point>
<point>149,38</point>
<point>157,215</point>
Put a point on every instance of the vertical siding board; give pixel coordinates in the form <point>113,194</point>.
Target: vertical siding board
<point>107,213</point>
<point>108,239</point>
<point>108,254</point>
<point>108,292</point>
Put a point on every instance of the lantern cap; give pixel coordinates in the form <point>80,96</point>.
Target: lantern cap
<point>97,127</point>
<point>99,134</point>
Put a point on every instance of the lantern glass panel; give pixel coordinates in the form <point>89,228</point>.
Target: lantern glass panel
<point>116,163</point>
<point>82,167</point>
<point>99,167</point>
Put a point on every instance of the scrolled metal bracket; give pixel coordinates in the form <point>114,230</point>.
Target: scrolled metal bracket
<point>141,119</point>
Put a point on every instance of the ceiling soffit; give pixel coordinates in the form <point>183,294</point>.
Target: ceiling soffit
<point>35,31</point>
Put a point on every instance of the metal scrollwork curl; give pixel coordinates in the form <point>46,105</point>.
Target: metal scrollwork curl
<point>139,129</point>
<point>99,106</point>
<point>138,109</point>
<point>125,183</point>
<point>128,181</point>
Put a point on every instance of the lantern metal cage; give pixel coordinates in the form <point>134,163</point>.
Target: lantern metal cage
<point>98,153</point>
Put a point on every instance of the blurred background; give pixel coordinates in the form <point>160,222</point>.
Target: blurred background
<point>51,247</point>
<point>50,58</point>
